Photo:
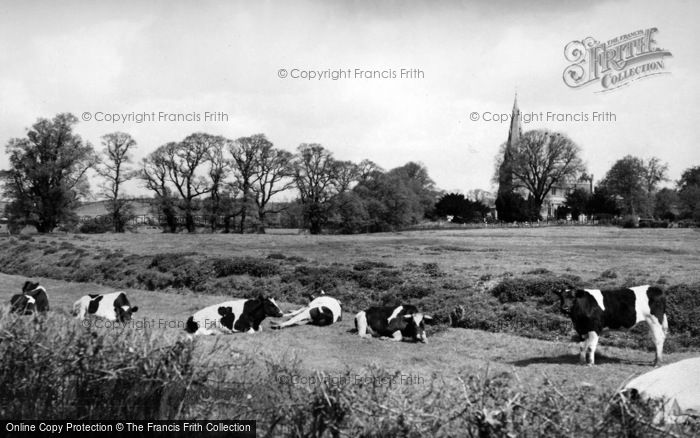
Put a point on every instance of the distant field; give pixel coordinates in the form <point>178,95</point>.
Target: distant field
<point>644,254</point>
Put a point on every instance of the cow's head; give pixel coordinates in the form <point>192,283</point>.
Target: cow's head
<point>124,312</point>
<point>29,286</point>
<point>415,326</point>
<point>566,300</point>
<point>270,307</point>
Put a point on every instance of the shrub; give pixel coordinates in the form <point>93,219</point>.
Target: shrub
<point>513,290</point>
<point>244,266</point>
<point>95,227</point>
<point>683,313</point>
<point>276,256</point>
<point>366,265</point>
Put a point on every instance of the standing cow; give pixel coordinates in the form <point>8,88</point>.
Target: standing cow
<point>233,316</point>
<point>592,310</point>
<point>321,311</point>
<point>32,299</point>
<point>397,323</point>
<point>112,307</point>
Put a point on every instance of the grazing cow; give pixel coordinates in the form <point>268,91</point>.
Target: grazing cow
<point>395,322</point>
<point>321,311</point>
<point>32,299</point>
<point>591,310</point>
<point>113,307</point>
<point>233,316</point>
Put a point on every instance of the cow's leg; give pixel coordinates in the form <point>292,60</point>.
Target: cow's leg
<point>299,319</point>
<point>592,344</point>
<point>361,325</point>
<point>293,313</point>
<point>397,336</point>
<point>583,349</point>
<point>656,330</point>
<point>80,310</point>
<point>251,330</point>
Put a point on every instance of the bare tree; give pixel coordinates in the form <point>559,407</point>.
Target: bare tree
<point>347,173</point>
<point>543,159</point>
<point>274,175</point>
<point>184,161</point>
<point>114,169</point>
<point>154,172</point>
<point>219,170</point>
<point>245,151</point>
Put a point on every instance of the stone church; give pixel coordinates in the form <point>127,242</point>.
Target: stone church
<point>557,195</point>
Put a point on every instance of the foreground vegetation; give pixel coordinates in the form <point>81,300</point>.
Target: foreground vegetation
<point>54,367</point>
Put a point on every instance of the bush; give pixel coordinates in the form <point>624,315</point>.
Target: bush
<point>244,266</point>
<point>95,227</point>
<point>366,265</point>
<point>513,290</point>
<point>683,313</point>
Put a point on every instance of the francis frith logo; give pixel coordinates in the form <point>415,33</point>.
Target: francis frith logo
<point>616,62</point>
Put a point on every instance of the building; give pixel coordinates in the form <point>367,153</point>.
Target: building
<point>556,197</point>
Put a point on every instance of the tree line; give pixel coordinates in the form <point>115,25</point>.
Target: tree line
<point>235,184</point>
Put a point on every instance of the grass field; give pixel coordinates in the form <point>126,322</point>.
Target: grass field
<point>474,260</point>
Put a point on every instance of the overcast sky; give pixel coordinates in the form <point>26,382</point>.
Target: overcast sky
<point>192,57</point>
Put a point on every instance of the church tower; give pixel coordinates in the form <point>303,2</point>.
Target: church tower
<point>505,172</point>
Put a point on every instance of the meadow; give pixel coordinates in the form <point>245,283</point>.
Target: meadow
<point>499,360</point>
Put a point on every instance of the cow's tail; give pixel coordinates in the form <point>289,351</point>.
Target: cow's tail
<point>664,325</point>
<point>191,326</point>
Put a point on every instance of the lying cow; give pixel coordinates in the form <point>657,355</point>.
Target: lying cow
<point>233,316</point>
<point>32,299</point>
<point>321,311</point>
<point>592,310</point>
<point>397,323</point>
<point>113,307</point>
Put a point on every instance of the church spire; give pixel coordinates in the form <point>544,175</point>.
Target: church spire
<point>515,129</point>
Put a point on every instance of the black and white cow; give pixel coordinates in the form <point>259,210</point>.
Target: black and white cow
<point>592,310</point>
<point>32,299</point>
<point>398,323</point>
<point>113,307</point>
<point>321,311</point>
<point>243,315</point>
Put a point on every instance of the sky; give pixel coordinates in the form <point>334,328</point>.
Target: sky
<point>190,58</point>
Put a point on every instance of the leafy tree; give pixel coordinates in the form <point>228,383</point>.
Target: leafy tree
<point>666,204</point>
<point>463,209</point>
<point>398,198</point>
<point>47,173</point>
<point>634,181</point>
<point>115,171</point>
<point>689,193</point>
<point>602,202</point>
<point>578,202</point>
<point>512,207</point>
<point>315,176</point>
